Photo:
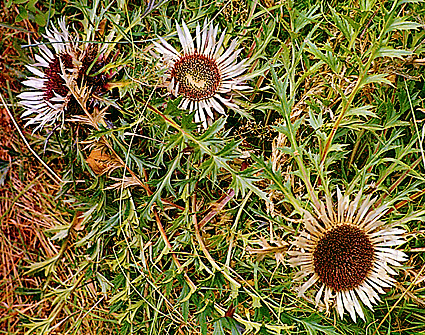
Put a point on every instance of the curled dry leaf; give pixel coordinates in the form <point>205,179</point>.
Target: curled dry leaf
<point>101,162</point>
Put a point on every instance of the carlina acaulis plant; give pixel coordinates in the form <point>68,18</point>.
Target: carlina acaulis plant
<point>228,167</point>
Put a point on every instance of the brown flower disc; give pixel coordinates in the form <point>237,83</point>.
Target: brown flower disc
<point>343,257</point>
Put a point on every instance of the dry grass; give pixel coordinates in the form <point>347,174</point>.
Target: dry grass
<point>27,206</point>
<point>26,210</point>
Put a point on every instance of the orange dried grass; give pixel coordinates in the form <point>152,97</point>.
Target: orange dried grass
<point>25,211</point>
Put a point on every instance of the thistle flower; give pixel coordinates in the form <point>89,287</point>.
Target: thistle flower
<point>56,71</point>
<point>202,73</point>
<point>347,253</point>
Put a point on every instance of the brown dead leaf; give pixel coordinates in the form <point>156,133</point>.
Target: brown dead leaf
<point>277,251</point>
<point>78,221</point>
<point>101,162</point>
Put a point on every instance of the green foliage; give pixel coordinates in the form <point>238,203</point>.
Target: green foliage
<point>159,243</point>
<point>33,10</point>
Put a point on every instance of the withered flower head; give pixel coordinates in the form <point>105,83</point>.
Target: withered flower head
<point>58,69</point>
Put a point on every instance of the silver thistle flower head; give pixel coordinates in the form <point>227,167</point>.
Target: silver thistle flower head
<point>56,71</point>
<point>347,253</point>
<point>202,73</point>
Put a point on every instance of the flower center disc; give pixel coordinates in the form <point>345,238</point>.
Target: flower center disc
<point>198,76</point>
<point>55,83</point>
<point>343,258</point>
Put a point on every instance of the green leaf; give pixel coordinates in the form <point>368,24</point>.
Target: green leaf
<point>375,78</point>
<point>367,5</point>
<point>256,301</point>
<point>276,178</point>
<point>410,1</point>
<point>31,6</point>
<point>218,328</point>
<point>312,326</point>
<point>105,284</point>
<point>23,14</point>
<point>264,43</point>
<point>61,232</point>
<point>365,111</point>
<point>345,25</point>
<point>243,181</point>
<point>399,24</point>
<point>385,51</point>
<point>202,319</point>
<point>328,57</point>
<point>47,265</point>
<point>305,17</point>
<point>4,169</point>
<point>41,19</point>
<point>233,325</point>
<point>314,122</point>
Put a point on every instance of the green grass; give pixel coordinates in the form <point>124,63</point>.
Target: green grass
<point>159,243</point>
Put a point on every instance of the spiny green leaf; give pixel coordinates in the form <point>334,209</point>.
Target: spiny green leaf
<point>376,78</point>
<point>328,57</point>
<point>401,24</point>
<point>385,51</point>
<point>365,111</point>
